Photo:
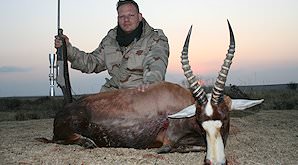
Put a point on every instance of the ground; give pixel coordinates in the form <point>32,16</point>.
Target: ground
<point>256,138</point>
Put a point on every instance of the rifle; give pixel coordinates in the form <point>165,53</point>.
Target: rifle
<point>62,72</point>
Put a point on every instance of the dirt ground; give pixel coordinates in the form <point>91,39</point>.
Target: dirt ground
<point>256,137</point>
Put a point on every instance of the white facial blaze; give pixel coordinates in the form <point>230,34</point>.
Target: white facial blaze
<point>208,109</point>
<point>215,145</point>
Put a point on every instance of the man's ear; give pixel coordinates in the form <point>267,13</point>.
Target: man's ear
<point>140,17</point>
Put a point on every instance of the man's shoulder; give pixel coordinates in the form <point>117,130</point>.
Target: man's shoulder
<point>110,36</point>
<point>112,33</point>
<point>159,34</point>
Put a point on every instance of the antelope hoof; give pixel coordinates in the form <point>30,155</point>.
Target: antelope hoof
<point>87,143</point>
<point>164,149</point>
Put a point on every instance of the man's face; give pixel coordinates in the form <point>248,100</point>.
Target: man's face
<point>129,17</point>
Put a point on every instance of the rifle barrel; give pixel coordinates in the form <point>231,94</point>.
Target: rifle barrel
<point>58,23</point>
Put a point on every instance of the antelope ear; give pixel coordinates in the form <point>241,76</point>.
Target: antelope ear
<point>189,111</point>
<point>242,104</point>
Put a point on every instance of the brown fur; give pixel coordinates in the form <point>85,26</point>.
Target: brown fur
<point>128,118</point>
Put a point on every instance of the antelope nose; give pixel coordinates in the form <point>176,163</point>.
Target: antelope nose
<point>209,162</point>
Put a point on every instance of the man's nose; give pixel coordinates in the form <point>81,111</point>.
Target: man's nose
<point>126,18</point>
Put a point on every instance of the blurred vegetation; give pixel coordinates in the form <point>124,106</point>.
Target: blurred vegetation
<point>29,108</point>
<point>26,108</point>
<point>281,99</point>
<point>275,99</point>
<point>292,85</point>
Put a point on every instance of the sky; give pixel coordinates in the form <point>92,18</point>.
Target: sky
<point>265,32</point>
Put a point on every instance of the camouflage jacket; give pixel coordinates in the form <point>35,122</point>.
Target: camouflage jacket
<point>143,61</point>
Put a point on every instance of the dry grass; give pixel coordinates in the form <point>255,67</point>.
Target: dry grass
<point>263,137</point>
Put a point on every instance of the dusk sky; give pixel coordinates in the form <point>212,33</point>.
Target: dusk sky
<point>266,34</point>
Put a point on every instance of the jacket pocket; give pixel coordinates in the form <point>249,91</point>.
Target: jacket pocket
<point>135,60</point>
<point>113,57</point>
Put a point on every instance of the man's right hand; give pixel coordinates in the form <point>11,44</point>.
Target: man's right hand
<point>58,41</point>
<point>143,87</point>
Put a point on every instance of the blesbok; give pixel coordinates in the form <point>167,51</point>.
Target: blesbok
<point>166,115</point>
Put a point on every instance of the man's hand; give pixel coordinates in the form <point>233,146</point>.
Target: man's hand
<point>58,41</point>
<point>143,87</point>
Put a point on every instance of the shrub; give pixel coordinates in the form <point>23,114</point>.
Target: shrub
<point>10,104</point>
<point>31,108</point>
<point>20,116</point>
<point>292,85</point>
<point>277,99</point>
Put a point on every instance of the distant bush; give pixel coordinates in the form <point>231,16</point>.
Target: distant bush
<point>276,99</point>
<point>27,109</point>
<point>20,116</point>
<point>11,104</point>
<point>292,85</point>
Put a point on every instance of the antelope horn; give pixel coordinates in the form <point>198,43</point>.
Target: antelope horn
<point>222,77</point>
<point>197,91</point>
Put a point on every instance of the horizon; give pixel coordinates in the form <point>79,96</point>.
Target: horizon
<point>265,33</point>
<point>59,93</point>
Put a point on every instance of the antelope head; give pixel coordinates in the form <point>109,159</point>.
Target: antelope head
<point>212,110</point>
